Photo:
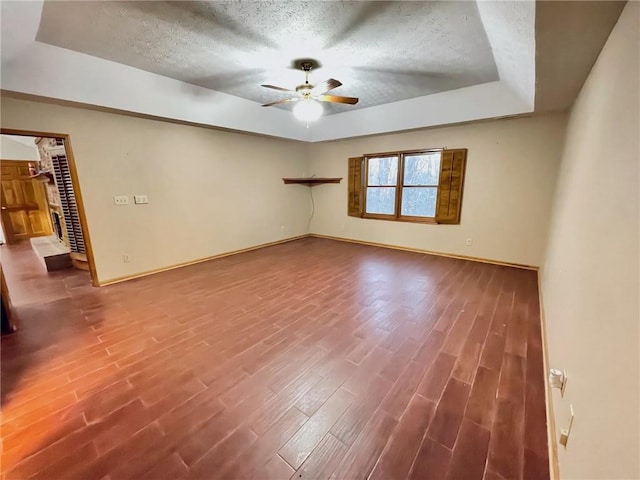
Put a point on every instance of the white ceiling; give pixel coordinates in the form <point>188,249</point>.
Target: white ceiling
<point>23,139</point>
<point>381,51</point>
<point>16,147</point>
<point>413,64</point>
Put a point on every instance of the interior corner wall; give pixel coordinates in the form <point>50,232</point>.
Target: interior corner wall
<point>210,192</point>
<point>508,188</point>
<point>590,284</point>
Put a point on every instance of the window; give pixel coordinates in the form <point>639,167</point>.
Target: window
<point>416,186</point>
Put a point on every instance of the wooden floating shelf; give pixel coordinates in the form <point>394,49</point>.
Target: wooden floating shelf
<point>311,181</point>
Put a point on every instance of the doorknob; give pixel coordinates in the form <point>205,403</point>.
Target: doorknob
<point>4,208</point>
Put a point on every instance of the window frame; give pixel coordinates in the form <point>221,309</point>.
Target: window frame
<point>397,215</point>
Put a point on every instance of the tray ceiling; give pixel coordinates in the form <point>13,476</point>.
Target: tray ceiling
<point>381,51</point>
<point>413,64</point>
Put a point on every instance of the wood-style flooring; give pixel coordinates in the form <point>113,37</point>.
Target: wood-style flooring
<point>309,359</point>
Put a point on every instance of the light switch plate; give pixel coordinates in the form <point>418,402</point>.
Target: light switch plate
<point>121,200</point>
<point>140,199</point>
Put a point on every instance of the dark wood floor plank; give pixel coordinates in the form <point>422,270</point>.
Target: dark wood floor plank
<point>400,359</point>
<point>482,402</point>
<point>277,469</point>
<point>493,351</point>
<point>323,460</point>
<point>502,315</point>
<point>138,451</point>
<point>170,466</point>
<point>224,452</point>
<point>512,378</point>
<point>506,448</point>
<point>448,417</point>
<point>403,390</point>
<point>366,448</point>
<point>516,343</point>
<point>536,466</point>
<point>489,475</point>
<point>249,464</point>
<point>430,348</point>
<point>460,331</point>
<point>349,360</point>
<point>467,363</point>
<point>193,444</point>
<point>470,453</point>
<point>349,425</point>
<point>283,402</point>
<point>398,456</point>
<point>298,448</point>
<point>361,379</point>
<point>320,392</point>
<point>432,461</point>
<point>535,426</point>
<point>437,376</point>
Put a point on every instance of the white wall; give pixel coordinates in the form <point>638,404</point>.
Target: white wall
<point>590,280</point>
<point>11,149</point>
<point>510,176</point>
<point>210,192</point>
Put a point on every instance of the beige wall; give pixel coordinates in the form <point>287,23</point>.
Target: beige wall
<point>212,192</point>
<point>209,191</point>
<point>590,280</point>
<point>511,173</point>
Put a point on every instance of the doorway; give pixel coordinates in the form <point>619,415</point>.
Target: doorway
<point>41,198</point>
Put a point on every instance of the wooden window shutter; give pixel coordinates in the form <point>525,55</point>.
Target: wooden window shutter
<point>452,168</point>
<point>355,186</point>
<point>62,173</point>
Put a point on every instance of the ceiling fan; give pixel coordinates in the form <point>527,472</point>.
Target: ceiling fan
<point>308,95</point>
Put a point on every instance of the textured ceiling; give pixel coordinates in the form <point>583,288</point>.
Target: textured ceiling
<point>381,51</point>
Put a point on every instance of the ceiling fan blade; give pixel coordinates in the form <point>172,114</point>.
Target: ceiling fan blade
<point>277,88</point>
<point>337,99</point>
<point>325,86</point>
<point>278,102</point>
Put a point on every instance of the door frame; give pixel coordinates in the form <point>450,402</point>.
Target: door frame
<point>76,189</point>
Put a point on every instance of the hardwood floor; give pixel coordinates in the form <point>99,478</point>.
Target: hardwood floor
<point>310,359</point>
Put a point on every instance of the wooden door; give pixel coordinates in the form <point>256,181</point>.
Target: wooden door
<point>24,208</point>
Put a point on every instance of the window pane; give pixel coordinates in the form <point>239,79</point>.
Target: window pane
<point>422,169</point>
<point>381,200</point>
<point>419,201</point>
<point>383,171</point>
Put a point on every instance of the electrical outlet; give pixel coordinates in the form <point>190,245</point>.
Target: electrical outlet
<point>469,242</point>
<point>121,200</point>
<point>126,258</point>
<point>140,199</point>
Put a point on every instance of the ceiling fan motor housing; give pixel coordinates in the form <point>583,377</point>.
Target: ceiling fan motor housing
<point>307,91</point>
<point>304,90</point>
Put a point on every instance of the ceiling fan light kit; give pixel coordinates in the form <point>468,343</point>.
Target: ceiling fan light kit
<point>308,108</point>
